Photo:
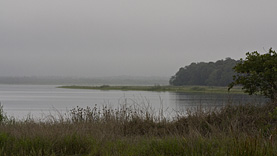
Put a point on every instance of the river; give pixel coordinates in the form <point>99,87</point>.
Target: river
<point>39,101</point>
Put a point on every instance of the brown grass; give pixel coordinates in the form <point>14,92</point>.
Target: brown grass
<point>90,130</point>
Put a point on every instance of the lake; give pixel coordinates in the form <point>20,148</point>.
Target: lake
<point>38,101</point>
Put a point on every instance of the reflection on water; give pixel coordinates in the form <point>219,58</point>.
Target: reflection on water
<point>40,100</point>
<point>193,101</point>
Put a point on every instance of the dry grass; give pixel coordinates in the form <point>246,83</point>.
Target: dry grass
<point>231,130</point>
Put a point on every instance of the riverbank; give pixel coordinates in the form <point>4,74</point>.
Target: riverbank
<point>158,88</point>
<point>231,130</point>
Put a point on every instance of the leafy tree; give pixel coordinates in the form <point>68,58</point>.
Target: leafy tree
<point>217,73</point>
<point>257,74</point>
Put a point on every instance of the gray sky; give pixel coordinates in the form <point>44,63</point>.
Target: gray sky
<point>94,38</point>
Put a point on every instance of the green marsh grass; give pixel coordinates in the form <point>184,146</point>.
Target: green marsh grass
<point>230,130</point>
<point>159,88</point>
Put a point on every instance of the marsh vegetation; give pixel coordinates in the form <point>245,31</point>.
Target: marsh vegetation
<point>159,88</point>
<point>233,130</point>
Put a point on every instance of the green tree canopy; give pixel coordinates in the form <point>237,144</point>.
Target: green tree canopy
<point>217,73</point>
<point>257,74</point>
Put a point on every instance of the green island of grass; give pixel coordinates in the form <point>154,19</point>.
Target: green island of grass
<point>158,88</point>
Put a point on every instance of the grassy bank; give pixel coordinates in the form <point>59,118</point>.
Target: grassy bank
<point>232,130</point>
<point>189,89</point>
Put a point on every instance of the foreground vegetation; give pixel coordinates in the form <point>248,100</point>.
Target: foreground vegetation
<point>189,89</point>
<point>232,130</point>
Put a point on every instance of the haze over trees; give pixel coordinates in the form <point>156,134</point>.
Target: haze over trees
<point>219,73</point>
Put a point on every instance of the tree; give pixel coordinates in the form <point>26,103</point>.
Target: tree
<point>217,73</point>
<point>257,74</point>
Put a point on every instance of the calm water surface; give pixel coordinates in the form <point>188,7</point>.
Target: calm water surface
<point>38,101</point>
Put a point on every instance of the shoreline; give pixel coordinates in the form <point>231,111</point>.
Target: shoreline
<point>158,88</point>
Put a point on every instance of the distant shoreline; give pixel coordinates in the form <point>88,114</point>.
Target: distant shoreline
<point>158,88</point>
<point>116,80</point>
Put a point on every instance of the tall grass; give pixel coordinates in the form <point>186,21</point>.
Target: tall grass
<point>231,130</point>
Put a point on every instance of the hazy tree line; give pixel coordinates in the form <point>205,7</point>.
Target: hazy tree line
<point>219,73</point>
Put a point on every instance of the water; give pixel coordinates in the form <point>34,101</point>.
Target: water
<point>38,101</point>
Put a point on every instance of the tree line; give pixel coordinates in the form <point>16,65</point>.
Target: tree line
<point>219,73</point>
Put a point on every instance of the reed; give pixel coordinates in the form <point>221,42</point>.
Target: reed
<point>231,130</point>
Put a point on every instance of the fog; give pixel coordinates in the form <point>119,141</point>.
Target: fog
<point>129,37</point>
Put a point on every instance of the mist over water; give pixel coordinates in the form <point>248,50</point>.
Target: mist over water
<point>115,80</point>
<point>122,42</point>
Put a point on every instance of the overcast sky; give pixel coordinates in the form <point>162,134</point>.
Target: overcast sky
<point>92,38</point>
